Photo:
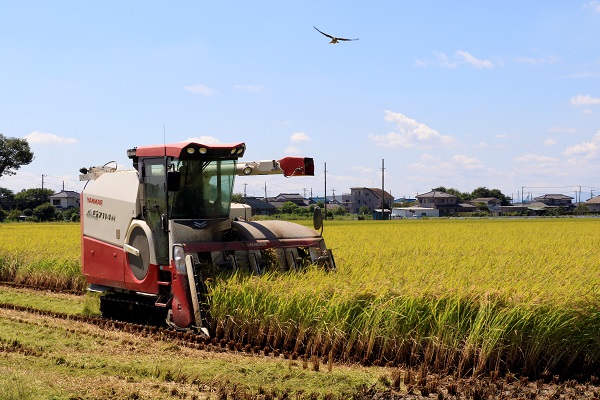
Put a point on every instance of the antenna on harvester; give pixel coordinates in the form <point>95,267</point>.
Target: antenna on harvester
<point>165,139</point>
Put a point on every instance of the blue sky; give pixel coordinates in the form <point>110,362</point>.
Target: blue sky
<point>458,94</point>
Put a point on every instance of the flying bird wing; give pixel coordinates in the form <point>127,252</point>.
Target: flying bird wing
<point>344,39</point>
<point>334,39</point>
<point>323,33</point>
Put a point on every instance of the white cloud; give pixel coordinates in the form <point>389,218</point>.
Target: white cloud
<point>584,100</point>
<point>465,162</point>
<point>560,129</point>
<point>586,150</point>
<point>537,61</point>
<point>410,133</point>
<point>444,61</point>
<point>593,5</point>
<point>292,150</point>
<point>201,89</point>
<point>471,60</point>
<point>299,137</point>
<point>457,165</point>
<point>534,158</point>
<point>250,88</point>
<point>460,57</point>
<point>549,142</point>
<point>202,140</point>
<point>47,138</point>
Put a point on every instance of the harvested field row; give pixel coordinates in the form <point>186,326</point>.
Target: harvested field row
<point>60,356</point>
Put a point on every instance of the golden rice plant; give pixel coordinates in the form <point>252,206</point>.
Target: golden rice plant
<point>458,295</point>
<point>41,254</point>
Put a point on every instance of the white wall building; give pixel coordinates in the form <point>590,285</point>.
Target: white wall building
<point>414,212</point>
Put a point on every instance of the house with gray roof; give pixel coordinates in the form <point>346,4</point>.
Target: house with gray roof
<point>260,207</point>
<point>65,199</point>
<point>593,204</point>
<point>444,202</point>
<point>558,200</point>
<point>369,197</point>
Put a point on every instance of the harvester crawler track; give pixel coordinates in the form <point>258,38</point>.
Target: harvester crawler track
<point>137,310</point>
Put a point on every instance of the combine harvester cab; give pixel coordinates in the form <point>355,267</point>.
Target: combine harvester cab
<point>152,235</point>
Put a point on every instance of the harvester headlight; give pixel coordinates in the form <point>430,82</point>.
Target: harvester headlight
<point>179,259</point>
<point>240,150</point>
<point>191,150</point>
<point>203,150</point>
<point>247,170</point>
<point>232,151</point>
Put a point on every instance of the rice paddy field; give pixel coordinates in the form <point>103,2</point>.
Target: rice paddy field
<point>466,297</point>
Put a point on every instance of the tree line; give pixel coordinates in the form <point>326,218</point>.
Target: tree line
<point>32,204</point>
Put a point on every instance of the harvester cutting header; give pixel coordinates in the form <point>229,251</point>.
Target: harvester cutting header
<point>152,235</point>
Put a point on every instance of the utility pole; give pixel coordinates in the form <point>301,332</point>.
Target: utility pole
<point>266,192</point>
<point>245,184</point>
<point>382,188</point>
<point>325,199</point>
<point>43,181</point>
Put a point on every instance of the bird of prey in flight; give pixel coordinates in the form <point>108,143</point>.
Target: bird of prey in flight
<point>334,39</point>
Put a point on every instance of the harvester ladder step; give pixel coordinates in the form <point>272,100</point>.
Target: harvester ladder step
<point>163,301</point>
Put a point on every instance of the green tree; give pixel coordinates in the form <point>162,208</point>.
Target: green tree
<point>70,214</point>
<point>14,214</point>
<point>485,192</point>
<point>31,198</point>
<point>462,196</point>
<point>7,198</point>
<point>339,210</point>
<point>14,153</point>
<point>363,210</point>
<point>581,209</point>
<point>289,207</point>
<point>44,212</point>
<point>237,198</point>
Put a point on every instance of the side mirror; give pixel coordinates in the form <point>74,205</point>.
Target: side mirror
<point>317,219</point>
<point>173,181</point>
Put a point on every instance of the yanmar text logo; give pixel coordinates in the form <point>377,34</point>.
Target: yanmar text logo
<point>95,214</point>
<point>92,200</point>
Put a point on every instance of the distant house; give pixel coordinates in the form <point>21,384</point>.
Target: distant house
<point>369,197</point>
<point>491,202</point>
<point>65,199</point>
<point>515,208</point>
<point>414,212</point>
<point>446,203</point>
<point>260,207</point>
<point>558,200</point>
<point>295,198</point>
<point>282,198</point>
<point>593,204</point>
<point>379,214</point>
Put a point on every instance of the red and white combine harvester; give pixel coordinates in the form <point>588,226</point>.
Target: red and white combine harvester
<point>152,235</point>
